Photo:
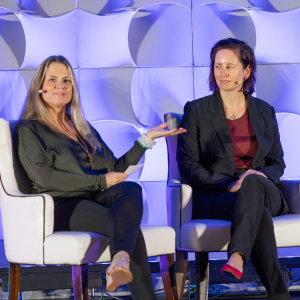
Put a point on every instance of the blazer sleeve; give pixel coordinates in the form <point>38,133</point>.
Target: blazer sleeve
<point>189,156</point>
<point>274,163</point>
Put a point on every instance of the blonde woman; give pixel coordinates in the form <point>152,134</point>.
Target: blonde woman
<point>65,157</point>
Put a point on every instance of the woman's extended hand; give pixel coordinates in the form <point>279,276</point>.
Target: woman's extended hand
<point>113,178</point>
<point>233,187</point>
<point>159,131</point>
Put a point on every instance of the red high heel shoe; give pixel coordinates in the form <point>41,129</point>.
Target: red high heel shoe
<point>231,271</point>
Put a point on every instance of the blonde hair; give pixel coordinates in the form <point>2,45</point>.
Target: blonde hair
<point>36,109</point>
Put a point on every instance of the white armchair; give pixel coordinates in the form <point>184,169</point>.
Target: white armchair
<point>29,239</point>
<point>202,235</point>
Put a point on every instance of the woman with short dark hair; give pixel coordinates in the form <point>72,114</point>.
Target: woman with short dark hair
<point>64,156</point>
<point>232,157</point>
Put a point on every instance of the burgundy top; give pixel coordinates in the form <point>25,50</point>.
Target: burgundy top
<point>243,141</point>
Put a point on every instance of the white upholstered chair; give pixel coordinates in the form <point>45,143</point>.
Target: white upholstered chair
<point>202,235</point>
<point>29,239</point>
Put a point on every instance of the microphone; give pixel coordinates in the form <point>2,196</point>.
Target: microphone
<point>42,91</point>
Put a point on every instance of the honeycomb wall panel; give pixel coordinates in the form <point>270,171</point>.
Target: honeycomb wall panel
<point>136,60</point>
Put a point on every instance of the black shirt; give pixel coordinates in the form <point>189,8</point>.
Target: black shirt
<point>58,165</point>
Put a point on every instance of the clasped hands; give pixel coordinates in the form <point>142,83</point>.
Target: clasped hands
<point>113,178</point>
<point>233,187</point>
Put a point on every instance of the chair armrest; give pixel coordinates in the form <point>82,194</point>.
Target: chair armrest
<point>179,207</point>
<point>27,220</point>
<point>291,193</point>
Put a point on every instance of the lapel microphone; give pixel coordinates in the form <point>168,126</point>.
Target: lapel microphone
<point>42,91</point>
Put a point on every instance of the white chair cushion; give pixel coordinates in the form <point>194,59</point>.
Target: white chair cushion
<point>213,235</point>
<point>287,230</point>
<point>77,247</point>
<point>205,235</point>
<point>159,240</point>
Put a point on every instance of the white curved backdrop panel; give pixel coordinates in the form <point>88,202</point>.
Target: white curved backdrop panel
<point>140,3</point>
<point>119,137</point>
<point>49,36</point>
<point>277,41</point>
<point>156,161</point>
<point>156,91</point>
<point>12,46</point>
<point>46,8</point>
<point>156,194</point>
<point>201,87</point>
<point>213,22</point>
<point>279,86</point>
<point>196,3</point>
<point>148,31</point>
<point>103,40</point>
<point>275,5</point>
<point>266,5</point>
<point>288,125</point>
<point>105,7</point>
<point>105,94</point>
<point>13,94</point>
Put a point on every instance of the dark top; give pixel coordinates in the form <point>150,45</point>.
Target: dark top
<point>243,141</point>
<point>205,153</point>
<point>58,165</point>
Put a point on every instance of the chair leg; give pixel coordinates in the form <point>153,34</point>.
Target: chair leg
<point>14,281</point>
<point>167,269</point>
<point>181,271</point>
<point>202,275</point>
<point>80,282</point>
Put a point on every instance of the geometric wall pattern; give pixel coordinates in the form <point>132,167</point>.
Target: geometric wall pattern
<point>136,60</point>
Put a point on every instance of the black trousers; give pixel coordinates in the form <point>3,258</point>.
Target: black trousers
<point>116,212</point>
<point>251,210</point>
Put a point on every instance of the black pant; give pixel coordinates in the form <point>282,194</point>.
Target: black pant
<point>116,212</point>
<point>251,210</point>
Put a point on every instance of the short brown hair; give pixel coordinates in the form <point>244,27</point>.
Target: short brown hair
<point>246,57</point>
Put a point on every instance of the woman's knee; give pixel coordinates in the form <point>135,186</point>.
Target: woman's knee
<point>252,180</point>
<point>132,187</point>
<point>133,191</point>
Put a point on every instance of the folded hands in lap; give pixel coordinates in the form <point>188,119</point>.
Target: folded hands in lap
<point>233,187</point>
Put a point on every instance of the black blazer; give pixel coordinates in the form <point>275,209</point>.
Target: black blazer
<point>205,154</point>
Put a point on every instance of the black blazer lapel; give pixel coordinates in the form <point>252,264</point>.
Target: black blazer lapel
<point>258,125</point>
<point>219,123</point>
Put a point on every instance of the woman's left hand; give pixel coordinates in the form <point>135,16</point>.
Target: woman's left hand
<point>250,171</point>
<point>233,187</point>
<point>160,131</point>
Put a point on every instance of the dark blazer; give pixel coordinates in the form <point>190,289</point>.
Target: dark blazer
<point>205,154</point>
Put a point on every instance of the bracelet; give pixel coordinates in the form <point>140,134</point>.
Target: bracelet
<point>145,148</point>
<point>145,142</point>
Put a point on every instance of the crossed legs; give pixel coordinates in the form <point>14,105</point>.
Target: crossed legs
<point>252,233</point>
<point>117,213</point>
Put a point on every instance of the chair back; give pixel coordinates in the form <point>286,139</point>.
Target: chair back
<point>22,179</point>
<point>7,175</point>
<point>173,120</point>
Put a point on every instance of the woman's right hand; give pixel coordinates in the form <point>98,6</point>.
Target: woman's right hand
<point>113,178</point>
<point>233,187</point>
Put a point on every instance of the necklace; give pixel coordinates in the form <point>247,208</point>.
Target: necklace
<point>233,116</point>
<point>85,148</point>
<point>76,137</point>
